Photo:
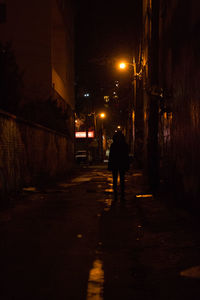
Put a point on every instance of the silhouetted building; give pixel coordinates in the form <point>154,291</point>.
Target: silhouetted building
<point>41,35</point>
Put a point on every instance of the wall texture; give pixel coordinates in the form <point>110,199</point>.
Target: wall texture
<point>30,153</point>
<point>179,77</point>
<point>170,53</point>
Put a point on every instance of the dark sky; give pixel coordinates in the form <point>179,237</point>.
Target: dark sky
<point>105,31</point>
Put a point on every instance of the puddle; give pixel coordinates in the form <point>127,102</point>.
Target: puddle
<point>140,232</point>
<point>98,179</point>
<point>108,191</point>
<point>101,200</point>
<point>193,272</point>
<point>65,185</point>
<point>109,179</point>
<point>108,203</point>
<point>144,196</point>
<point>96,281</point>
<point>81,179</point>
<point>29,189</point>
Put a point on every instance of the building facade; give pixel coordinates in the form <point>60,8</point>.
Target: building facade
<point>41,36</point>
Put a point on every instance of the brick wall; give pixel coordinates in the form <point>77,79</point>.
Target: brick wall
<point>30,152</point>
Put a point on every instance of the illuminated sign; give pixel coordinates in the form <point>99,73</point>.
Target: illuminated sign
<point>82,134</point>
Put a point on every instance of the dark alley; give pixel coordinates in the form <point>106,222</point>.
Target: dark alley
<point>71,240</point>
<point>99,150</point>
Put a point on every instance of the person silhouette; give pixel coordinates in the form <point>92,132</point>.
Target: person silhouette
<point>118,161</point>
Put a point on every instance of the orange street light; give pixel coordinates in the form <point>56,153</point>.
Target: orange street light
<point>102,115</point>
<point>122,65</point>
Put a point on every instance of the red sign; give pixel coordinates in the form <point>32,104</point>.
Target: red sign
<point>82,134</point>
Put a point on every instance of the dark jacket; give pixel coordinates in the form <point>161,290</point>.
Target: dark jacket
<point>119,155</point>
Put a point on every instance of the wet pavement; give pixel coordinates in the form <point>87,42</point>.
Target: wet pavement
<point>71,240</point>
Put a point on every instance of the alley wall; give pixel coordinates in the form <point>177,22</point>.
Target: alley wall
<point>179,76</point>
<point>170,67</point>
<point>30,154</point>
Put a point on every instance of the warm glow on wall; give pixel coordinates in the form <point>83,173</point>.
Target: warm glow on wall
<point>58,84</point>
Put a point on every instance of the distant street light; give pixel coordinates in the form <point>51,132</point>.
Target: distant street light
<point>102,115</point>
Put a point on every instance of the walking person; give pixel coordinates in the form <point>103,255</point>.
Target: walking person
<point>118,161</point>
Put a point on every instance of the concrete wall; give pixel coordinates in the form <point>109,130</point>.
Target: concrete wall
<point>30,153</point>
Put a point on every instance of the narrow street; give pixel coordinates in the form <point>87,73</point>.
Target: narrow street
<point>70,241</point>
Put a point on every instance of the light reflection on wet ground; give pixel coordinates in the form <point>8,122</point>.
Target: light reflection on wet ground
<point>193,272</point>
<point>144,196</point>
<point>137,174</point>
<point>108,203</point>
<point>81,179</point>
<point>66,185</point>
<point>120,257</point>
<point>108,191</point>
<point>96,281</point>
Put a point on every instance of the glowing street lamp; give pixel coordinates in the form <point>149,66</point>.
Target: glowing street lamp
<point>102,115</point>
<point>122,65</point>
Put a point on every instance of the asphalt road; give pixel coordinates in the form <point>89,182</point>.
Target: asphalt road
<point>71,241</point>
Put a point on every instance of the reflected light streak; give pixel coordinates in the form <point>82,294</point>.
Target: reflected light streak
<point>193,272</point>
<point>96,281</point>
<point>144,196</point>
<point>108,202</point>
